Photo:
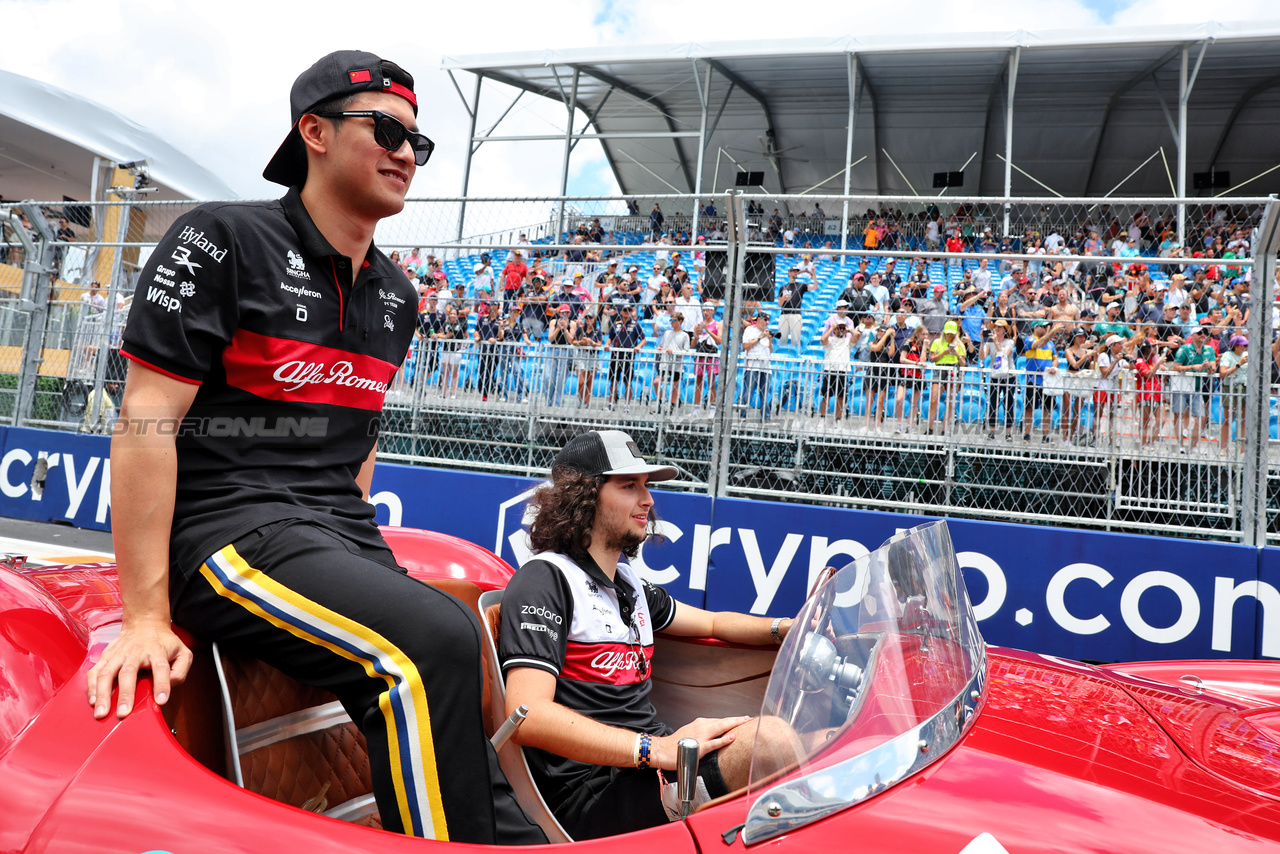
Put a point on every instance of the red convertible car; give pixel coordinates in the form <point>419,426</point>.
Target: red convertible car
<point>911,735</point>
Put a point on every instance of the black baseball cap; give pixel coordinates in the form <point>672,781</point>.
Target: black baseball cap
<point>607,452</point>
<point>343,72</point>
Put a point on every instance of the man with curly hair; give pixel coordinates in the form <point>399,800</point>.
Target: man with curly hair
<point>576,642</point>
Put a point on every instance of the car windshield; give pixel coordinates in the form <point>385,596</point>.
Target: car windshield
<point>879,676</point>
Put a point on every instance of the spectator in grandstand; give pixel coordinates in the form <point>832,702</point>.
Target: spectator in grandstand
<point>510,354</point>
<point>1001,361</point>
<point>1063,309</point>
<point>559,354</point>
<point>430,321</point>
<point>889,276</point>
<point>604,281</point>
<point>656,219</point>
<point>1041,354</point>
<point>532,300</point>
<point>483,277</point>
<point>863,324</point>
<point>973,315</point>
<point>1168,332</point>
<point>413,260</point>
<point>757,349</point>
<point>876,379</point>
<point>586,355</point>
<point>790,305</point>
<point>840,316</point>
<point>671,351</point>
<point>933,312</point>
<point>955,244</point>
<point>1233,370</point>
<point>514,276</point>
<point>687,303</point>
<point>1111,361</point>
<point>488,336</point>
<point>910,358</point>
<point>987,242</point>
<point>879,293</point>
<point>1080,354</point>
<point>652,290</point>
<point>1024,303</point>
<point>451,337</point>
<point>948,356</point>
<point>856,295</point>
<point>93,301</point>
<point>836,342</point>
<point>1113,325</point>
<point>567,296</point>
<point>706,334</point>
<point>626,338</point>
<point>933,234</point>
<point>1150,396</point>
<point>1188,402</point>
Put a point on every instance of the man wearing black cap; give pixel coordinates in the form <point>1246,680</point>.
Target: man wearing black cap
<point>576,643</point>
<point>267,333</point>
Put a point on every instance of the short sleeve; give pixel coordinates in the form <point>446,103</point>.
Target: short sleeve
<point>662,608</point>
<point>185,306</point>
<point>537,610</point>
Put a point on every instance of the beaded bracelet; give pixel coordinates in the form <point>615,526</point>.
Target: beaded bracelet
<point>642,755</point>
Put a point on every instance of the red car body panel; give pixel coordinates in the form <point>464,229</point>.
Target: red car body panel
<point>1061,756</point>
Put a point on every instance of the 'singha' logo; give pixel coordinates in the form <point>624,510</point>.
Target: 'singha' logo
<point>297,267</point>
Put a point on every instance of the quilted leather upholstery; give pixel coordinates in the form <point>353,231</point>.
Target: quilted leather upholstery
<point>296,769</point>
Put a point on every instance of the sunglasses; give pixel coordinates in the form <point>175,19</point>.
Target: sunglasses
<point>390,133</point>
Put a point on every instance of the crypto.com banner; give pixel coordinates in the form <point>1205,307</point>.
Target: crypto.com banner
<point>1077,594</point>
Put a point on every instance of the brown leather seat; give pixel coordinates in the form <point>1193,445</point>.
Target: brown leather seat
<point>295,743</point>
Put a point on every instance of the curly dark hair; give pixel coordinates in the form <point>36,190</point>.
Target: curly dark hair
<point>565,512</point>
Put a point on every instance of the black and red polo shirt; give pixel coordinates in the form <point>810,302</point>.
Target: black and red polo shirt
<point>252,304</point>
<point>593,634</point>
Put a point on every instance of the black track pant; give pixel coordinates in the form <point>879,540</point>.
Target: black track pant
<point>402,657</point>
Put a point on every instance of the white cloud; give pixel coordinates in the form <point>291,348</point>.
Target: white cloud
<point>213,78</point>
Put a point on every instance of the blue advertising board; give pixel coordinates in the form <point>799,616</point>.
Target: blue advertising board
<point>1078,594</point>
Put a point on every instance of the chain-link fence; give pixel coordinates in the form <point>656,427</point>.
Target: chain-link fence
<point>1035,360</point>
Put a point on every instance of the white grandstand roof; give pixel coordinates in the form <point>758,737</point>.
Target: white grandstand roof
<point>1089,107</point>
<point>49,138</point>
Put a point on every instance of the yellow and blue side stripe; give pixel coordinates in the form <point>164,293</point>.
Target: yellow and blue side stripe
<point>403,704</point>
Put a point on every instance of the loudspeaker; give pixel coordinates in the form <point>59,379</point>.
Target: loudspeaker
<point>760,272</point>
<point>1210,180</point>
<point>81,215</point>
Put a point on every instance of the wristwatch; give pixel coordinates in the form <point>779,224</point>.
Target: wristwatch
<point>773,630</point>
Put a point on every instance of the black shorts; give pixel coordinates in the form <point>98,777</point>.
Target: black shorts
<point>834,383</point>
<point>874,379</point>
<point>1035,396</point>
<point>620,800</point>
<point>621,365</point>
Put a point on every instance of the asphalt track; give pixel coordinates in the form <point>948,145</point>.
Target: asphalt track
<point>42,543</point>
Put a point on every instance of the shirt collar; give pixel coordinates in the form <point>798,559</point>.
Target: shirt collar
<point>313,242</point>
<point>594,572</point>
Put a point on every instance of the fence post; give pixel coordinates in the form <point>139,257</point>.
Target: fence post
<point>126,197</point>
<point>35,301</point>
<point>735,273</point>
<point>1257,418</point>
